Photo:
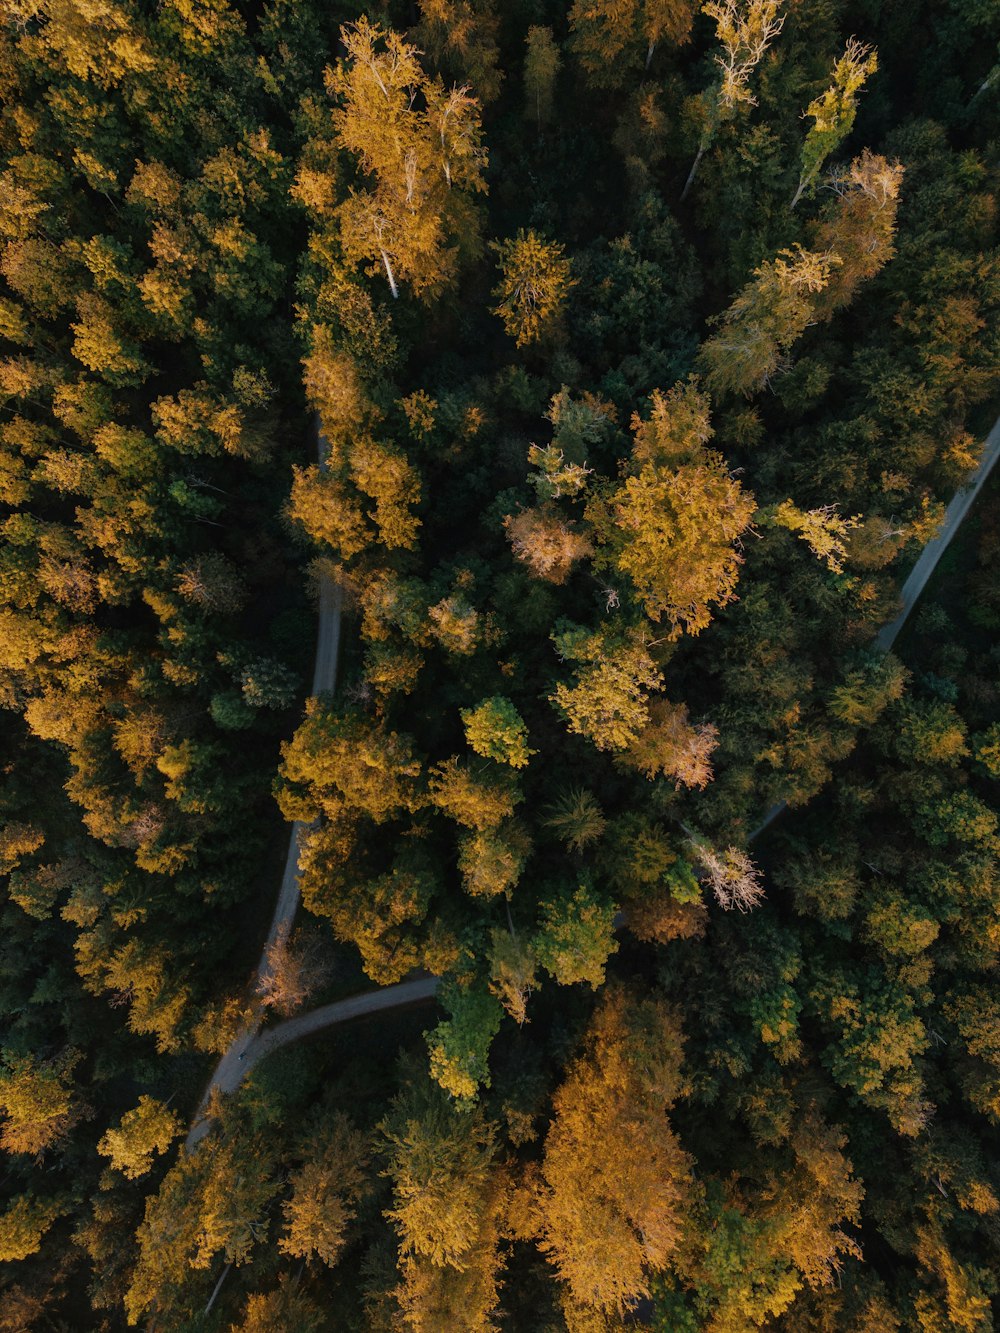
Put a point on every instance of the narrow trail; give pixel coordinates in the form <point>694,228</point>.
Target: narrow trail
<point>252,1045</point>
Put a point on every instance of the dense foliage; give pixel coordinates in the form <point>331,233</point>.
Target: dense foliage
<point>613,360</point>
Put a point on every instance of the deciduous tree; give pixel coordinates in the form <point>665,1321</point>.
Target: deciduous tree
<point>833,113</point>
<point>143,1133</point>
<point>325,1192</point>
<point>534,284</point>
<point>419,145</point>
<point>609,1218</point>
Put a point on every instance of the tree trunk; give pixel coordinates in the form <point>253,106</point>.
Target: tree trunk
<point>798,192</point>
<point>990,78</point>
<point>218,1288</point>
<point>691,175</point>
<point>649,54</point>
<point>390,275</point>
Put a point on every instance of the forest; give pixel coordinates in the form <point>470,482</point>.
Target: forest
<point>595,372</point>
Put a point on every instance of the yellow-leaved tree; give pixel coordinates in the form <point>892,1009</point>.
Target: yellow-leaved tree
<point>420,148</point>
<point>672,524</point>
<point>614,1177</point>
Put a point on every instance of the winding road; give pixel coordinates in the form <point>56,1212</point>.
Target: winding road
<point>252,1045</point>
<point>236,1060</point>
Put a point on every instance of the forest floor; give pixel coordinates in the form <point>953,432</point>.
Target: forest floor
<point>251,1045</point>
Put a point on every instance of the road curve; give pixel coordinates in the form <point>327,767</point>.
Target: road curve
<point>253,1045</point>
<point>339,1011</point>
<point>959,505</point>
<point>231,1067</point>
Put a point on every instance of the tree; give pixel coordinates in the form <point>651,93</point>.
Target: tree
<point>439,1163</point>
<point>545,541</point>
<point>24,1223</point>
<point>213,1201</point>
<point>731,875</point>
<point>672,524</point>
<point>615,1178</point>
<point>576,818</point>
<point>576,936</point>
<point>513,972</point>
<point>541,70</point>
<point>858,227</point>
<point>746,28</point>
<point>286,1307</point>
<point>461,37</point>
<point>455,624</point>
<point>823,530</point>
<point>291,973</point>
<point>385,475</point>
<point>930,731</point>
<point>325,506</point>
<point>611,36</point>
<point>491,861</point>
<point>340,760</point>
<point>534,284</point>
<point>325,1192</point>
<point>670,745</point>
<point>767,317</point>
<point>459,1046</point>
<point>609,702</point>
<point>833,113</point>
<point>416,156</point>
<point>333,385</point>
<point>36,1097</point>
<point>147,1130</point>
<point>476,800</point>
<point>496,730</point>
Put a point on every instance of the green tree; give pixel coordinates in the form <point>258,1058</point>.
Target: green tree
<point>541,70</point>
<point>459,1046</point>
<point>833,113</point>
<point>576,936</point>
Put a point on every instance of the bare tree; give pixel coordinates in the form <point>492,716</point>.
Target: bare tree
<point>292,972</point>
<point>731,874</point>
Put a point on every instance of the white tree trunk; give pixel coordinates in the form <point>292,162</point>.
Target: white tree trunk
<point>390,275</point>
<point>692,173</point>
